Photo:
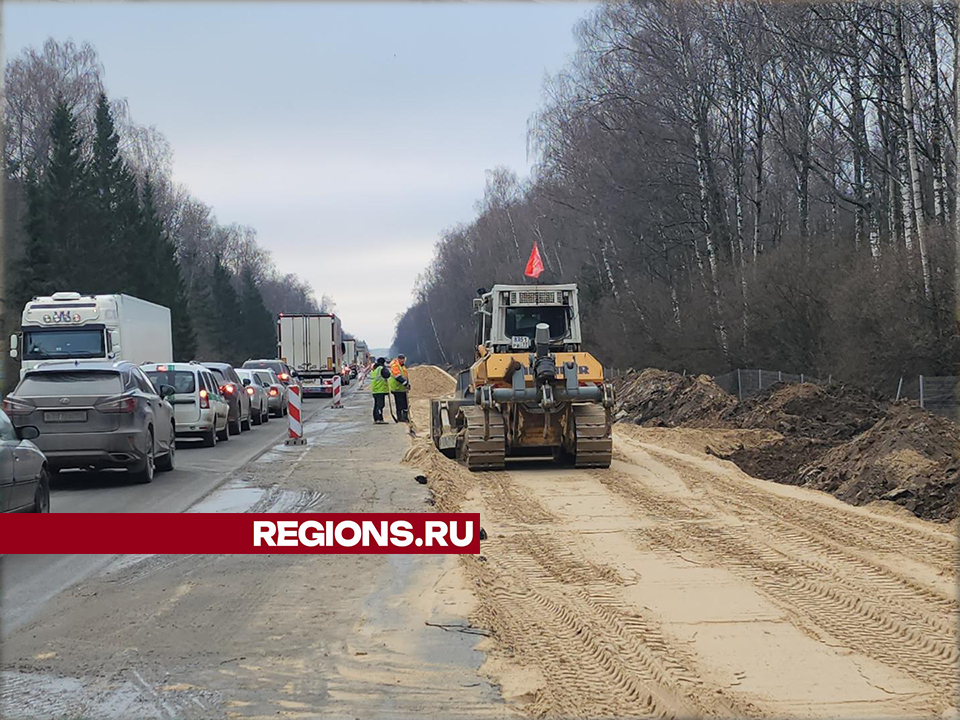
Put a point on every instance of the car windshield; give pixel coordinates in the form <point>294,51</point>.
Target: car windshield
<point>265,378</point>
<point>522,321</point>
<point>182,381</point>
<point>49,344</point>
<point>70,383</point>
<point>274,365</point>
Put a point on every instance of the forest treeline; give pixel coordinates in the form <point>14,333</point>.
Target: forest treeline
<point>90,205</point>
<point>732,184</point>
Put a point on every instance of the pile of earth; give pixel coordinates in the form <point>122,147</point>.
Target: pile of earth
<point>429,381</point>
<point>832,413</point>
<point>656,398</point>
<point>910,457</point>
<point>836,438</point>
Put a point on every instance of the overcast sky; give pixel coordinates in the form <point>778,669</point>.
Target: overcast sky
<point>348,135</point>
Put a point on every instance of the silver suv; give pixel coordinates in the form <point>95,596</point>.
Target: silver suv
<point>199,409</point>
<point>95,415</point>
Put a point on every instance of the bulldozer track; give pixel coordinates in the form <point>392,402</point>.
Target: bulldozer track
<point>593,441</point>
<point>481,446</point>
<point>827,575</point>
<point>588,644</point>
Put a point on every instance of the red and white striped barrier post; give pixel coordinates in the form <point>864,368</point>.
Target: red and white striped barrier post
<point>336,392</point>
<point>295,430</point>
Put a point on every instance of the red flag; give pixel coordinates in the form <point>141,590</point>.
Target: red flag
<point>534,264</point>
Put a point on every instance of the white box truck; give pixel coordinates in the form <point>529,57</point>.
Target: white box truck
<point>312,345</point>
<point>71,326</point>
<point>350,356</point>
<point>363,354</point>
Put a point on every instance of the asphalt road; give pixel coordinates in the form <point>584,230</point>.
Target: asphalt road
<point>27,582</point>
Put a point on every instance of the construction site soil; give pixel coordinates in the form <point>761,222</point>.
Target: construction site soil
<point>654,398</point>
<point>676,584</point>
<point>836,438</point>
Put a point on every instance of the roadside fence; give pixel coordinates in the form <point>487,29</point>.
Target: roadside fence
<point>938,394</point>
<point>744,382</point>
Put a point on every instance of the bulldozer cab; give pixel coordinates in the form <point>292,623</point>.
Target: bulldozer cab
<point>507,317</point>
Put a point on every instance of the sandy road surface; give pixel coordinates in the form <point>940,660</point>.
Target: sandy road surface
<point>250,636</point>
<point>674,584</point>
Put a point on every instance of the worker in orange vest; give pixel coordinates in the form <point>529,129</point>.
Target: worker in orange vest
<point>399,385</point>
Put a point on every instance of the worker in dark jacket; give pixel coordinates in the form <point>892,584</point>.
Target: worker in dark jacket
<point>379,387</point>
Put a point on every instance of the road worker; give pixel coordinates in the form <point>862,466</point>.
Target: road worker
<point>399,384</point>
<point>379,388</point>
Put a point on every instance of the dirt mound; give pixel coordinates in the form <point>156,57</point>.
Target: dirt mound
<point>429,381</point>
<point>910,457</point>
<point>832,413</point>
<point>835,438</point>
<point>655,398</point>
<point>907,456</point>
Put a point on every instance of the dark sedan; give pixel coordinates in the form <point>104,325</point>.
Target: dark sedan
<point>24,476</point>
<point>231,387</point>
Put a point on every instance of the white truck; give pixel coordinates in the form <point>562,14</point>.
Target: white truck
<point>312,345</point>
<point>363,354</point>
<point>71,326</point>
<point>350,356</point>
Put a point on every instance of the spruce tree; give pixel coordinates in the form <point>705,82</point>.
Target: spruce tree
<point>59,210</point>
<point>258,325</point>
<point>115,231</point>
<point>166,285</point>
<point>227,332</point>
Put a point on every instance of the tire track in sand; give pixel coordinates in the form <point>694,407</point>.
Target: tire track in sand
<point>825,584</point>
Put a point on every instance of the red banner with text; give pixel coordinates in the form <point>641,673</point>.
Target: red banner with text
<point>240,533</point>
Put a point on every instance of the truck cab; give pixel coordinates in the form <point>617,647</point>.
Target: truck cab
<point>507,317</point>
<point>71,326</point>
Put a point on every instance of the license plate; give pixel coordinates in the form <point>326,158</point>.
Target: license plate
<point>521,342</point>
<point>65,416</point>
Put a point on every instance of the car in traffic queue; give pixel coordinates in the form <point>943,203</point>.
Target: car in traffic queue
<point>276,392</point>
<point>286,374</point>
<point>96,415</point>
<point>259,403</point>
<point>199,408</point>
<point>231,388</point>
<point>24,474</point>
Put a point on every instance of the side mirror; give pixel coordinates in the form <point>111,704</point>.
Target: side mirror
<point>113,343</point>
<point>28,432</point>
<point>246,381</point>
<point>167,391</point>
<point>14,344</point>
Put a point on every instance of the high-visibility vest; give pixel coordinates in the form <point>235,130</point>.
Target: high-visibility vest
<point>397,370</point>
<point>378,383</point>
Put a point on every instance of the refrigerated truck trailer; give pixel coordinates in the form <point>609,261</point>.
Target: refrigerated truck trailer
<point>311,344</point>
<point>71,326</point>
<point>350,355</point>
<point>363,354</point>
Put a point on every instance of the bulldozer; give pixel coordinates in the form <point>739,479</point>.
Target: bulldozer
<point>532,390</point>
